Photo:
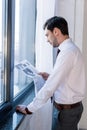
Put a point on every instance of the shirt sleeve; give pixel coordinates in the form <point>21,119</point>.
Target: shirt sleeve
<point>62,68</point>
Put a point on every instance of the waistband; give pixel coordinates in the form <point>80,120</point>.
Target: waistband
<point>66,106</point>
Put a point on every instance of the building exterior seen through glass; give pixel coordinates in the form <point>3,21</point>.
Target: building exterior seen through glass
<point>22,29</point>
<point>24,40</point>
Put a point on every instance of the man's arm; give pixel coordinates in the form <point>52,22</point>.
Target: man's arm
<point>23,108</point>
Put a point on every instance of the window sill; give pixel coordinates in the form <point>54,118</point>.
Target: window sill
<point>13,120</point>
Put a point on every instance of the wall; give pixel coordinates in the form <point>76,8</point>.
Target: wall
<point>74,11</point>
<point>83,122</point>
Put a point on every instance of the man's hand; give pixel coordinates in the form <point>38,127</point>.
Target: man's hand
<point>44,75</point>
<point>23,109</point>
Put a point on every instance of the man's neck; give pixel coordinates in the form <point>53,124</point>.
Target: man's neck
<point>63,38</point>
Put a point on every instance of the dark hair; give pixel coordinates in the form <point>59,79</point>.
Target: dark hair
<point>58,22</point>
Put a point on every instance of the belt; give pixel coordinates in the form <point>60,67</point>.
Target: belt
<point>66,106</point>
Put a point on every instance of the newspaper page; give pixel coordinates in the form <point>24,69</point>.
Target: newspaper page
<point>30,71</point>
<point>26,67</point>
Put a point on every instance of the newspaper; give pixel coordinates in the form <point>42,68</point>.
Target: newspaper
<point>26,67</point>
<point>30,71</point>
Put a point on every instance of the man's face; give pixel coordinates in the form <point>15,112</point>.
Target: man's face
<point>51,38</point>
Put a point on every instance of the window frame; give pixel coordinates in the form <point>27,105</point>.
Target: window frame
<point>9,32</point>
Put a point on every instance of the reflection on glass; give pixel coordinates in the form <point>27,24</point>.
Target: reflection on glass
<point>1,55</point>
<point>24,40</point>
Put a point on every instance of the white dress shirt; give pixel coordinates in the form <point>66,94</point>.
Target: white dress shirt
<point>67,80</point>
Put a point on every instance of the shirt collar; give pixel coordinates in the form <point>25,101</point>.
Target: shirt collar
<point>64,44</point>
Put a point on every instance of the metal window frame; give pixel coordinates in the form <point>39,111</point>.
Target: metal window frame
<point>8,35</point>
<point>9,32</point>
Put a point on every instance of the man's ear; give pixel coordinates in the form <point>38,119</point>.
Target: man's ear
<point>56,31</point>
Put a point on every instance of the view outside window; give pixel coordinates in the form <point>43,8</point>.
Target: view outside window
<point>25,18</point>
<point>1,53</point>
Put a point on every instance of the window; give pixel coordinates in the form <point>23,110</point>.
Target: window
<point>17,42</point>
<point>24,40</point>
<point>2,90</point>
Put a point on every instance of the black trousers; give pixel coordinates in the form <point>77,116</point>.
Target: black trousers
<point>67,119</point>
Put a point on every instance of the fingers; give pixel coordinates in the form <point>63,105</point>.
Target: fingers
<point>21,109</point>
<point>44,75</point>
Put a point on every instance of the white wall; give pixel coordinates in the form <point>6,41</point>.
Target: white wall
<point>83,122</point>
<point>66,9</point>
<point>74,11</point>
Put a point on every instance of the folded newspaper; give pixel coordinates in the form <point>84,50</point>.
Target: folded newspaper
<point>26,67</point>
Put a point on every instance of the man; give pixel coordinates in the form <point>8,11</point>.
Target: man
<point>66,83</point>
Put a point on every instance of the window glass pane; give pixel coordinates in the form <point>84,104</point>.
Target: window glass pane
<point>24,40</point>
<point>1,53</point>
